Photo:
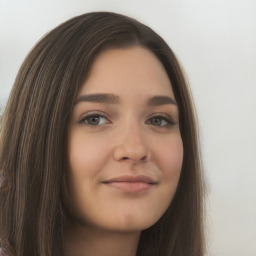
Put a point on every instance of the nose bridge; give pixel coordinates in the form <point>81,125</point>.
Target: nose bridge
<point>132,133</point>
<point>132,143</point>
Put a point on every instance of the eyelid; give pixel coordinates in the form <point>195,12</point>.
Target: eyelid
<point>165,117</point>
<point>90,114</point>
<point>170,121</point>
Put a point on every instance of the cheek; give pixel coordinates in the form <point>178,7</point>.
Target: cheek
<point>84,155</point>
<point>169,155</point>
<point>85,160</point>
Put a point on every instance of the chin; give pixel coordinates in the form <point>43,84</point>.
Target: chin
<point>132,223</point>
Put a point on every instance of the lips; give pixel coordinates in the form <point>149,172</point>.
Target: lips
<point>131,184</point>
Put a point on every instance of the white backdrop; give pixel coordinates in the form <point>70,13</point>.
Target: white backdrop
<point>215,40</point>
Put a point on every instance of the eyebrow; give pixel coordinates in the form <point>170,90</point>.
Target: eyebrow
<point>99,98</point>
<point>161,100</point>
<point>114,99</point>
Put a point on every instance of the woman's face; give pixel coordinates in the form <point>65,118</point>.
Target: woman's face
<point>125,147</point>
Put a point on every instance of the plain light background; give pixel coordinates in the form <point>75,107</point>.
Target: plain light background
<point>215,40</point>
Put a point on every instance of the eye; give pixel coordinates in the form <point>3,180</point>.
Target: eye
<point>94,120</point>
<point>162,121</point>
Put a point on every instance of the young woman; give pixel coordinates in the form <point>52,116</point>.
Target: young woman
<point>99,147</point>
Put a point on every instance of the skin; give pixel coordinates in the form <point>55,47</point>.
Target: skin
<point>122,138</point>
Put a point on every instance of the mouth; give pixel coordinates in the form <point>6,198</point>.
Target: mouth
<point>131,184</point>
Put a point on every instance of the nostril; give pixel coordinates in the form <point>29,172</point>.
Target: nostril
<point>144,158</point>
<point>131,153</point>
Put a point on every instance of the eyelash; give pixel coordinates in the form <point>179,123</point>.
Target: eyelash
<point>166,118</point>
<point>91,115</point>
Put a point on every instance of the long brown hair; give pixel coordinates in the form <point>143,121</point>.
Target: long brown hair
<point>33,140</point>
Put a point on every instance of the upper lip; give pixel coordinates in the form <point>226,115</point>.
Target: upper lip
<point>126,178</point>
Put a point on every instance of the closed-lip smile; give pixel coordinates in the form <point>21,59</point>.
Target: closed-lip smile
<point>132,184</point>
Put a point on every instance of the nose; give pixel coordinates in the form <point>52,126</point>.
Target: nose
<point>132,147</point>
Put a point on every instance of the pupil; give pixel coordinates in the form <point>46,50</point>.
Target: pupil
<point>156,121</point>
<point>94,120</point>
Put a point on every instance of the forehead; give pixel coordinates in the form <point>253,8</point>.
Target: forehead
<point>127,71</point>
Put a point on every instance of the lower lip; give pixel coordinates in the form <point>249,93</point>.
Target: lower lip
<point>132,187</point>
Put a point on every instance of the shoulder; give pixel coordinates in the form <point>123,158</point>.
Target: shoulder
<point>2,252</point>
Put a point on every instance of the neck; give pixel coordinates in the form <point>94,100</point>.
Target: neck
<point>85,241</point>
